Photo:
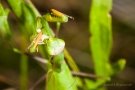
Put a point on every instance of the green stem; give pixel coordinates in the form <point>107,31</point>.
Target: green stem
<point>24,74</point>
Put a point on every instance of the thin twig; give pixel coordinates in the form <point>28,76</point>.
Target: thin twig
<point>39,59</point>
<point>38,82</point>
<point>86,75</point>
<point>8,81</point>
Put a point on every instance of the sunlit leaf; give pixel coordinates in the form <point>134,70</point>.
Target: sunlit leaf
<point>101,42</point>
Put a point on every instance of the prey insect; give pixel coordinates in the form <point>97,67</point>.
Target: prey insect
<point>39,39</point>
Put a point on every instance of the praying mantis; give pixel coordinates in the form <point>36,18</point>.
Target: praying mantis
<point>52,16</point>
<point>58,75</point>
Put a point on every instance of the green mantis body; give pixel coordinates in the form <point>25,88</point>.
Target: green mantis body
<point>54,47</point>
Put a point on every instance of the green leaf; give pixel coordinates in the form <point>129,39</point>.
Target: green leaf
<point>26,15</point>
<point>101,41</point>
<point>28,19</point>
<point>16,6</point>
<point>60,81</point>
<point>118,66</point>
<point>4,28</point>
<point>55,46</point>
<point>16,50</point>
<point>91,84</point>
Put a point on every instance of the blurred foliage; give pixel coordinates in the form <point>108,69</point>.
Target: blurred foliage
<point>4,28</point>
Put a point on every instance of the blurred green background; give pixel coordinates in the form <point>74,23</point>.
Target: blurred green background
<point>76,35</point>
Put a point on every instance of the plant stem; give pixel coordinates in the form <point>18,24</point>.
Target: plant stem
<point>24,70</point>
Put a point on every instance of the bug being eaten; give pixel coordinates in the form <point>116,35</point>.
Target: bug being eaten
<point>38,39</point>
